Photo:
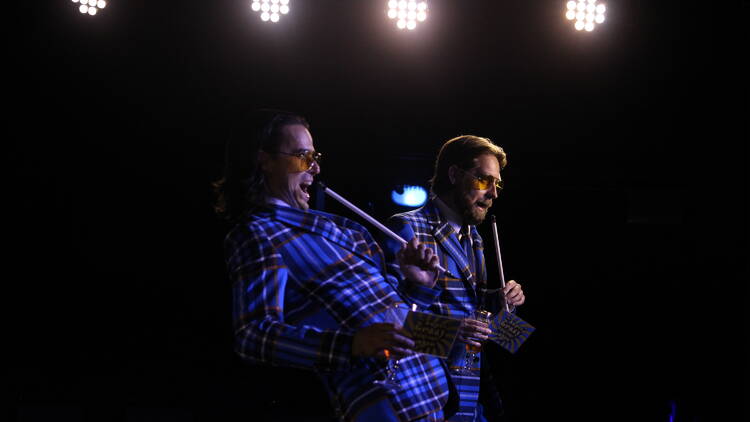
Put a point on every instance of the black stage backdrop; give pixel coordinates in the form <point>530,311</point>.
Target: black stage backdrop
<point>624,215</point>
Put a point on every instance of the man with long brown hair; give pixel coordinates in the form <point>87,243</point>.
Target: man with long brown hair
<point>309,288</point>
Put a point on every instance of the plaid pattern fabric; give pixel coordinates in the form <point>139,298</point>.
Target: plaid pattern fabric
<point>459,293</point>
<point>303,283</point>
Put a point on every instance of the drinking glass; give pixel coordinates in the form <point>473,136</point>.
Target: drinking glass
<point>394,314</point>
<point>472,351</point>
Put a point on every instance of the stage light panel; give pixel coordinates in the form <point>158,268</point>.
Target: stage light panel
<point>407,13</point>
<point>270,10</point>
<point>586,13</point>
<point>90,7</point>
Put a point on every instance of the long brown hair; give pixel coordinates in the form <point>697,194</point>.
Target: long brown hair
<point>242,186</point>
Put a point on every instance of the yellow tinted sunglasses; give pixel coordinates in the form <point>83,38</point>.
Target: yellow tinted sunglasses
<point>484,182</point>
<point>304,161</point>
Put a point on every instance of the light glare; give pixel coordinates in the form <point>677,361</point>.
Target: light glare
<point>270,10</point>
<point>412,196</point>
<point>407,13</point>
<point>587,13</point>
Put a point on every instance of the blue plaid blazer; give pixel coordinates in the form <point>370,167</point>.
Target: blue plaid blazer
<point>458,296</point>
<point>303,283</point>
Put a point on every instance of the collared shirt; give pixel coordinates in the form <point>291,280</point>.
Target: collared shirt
<point>276,201</point>
<point>453,219</point>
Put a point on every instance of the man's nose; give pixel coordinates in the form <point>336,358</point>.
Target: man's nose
<point>315,168</point>
<point>492,192</point>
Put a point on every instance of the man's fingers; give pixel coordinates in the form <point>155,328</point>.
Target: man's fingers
<point>401,341</point>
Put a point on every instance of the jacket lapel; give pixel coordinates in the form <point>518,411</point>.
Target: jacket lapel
<point>447,239</point>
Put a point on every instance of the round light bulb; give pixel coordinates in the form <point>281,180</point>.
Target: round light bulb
<point>570,14</point>
<point>579,25</point>
<point>599,19</point>
<point>392,13</point>
<point>265,16</point>
<point>421,16</point>
<point>284,9</point>
<point>401,24</point>
<point>411,25</point>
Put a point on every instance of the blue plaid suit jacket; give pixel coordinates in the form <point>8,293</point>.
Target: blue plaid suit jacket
<point>459,294</point>
<point>303,283</point>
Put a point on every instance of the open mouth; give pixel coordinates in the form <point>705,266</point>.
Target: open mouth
<point>483,205</point>
<point>304,186</point>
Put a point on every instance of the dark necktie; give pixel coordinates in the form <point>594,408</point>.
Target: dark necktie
<point>469,251</point>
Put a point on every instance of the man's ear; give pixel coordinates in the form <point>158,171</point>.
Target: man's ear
<point>264,161</point>
<point>453,174</point>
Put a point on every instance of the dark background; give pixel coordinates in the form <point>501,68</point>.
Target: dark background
<point>624,215</point>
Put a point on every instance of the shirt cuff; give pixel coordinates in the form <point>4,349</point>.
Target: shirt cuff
<point>336,353</point>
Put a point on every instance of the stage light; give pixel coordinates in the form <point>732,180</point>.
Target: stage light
<point>407,13</point>
<point>586,13</point>
<point>90,7</point>
<point>270,10</point>
<point>412,196</point>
